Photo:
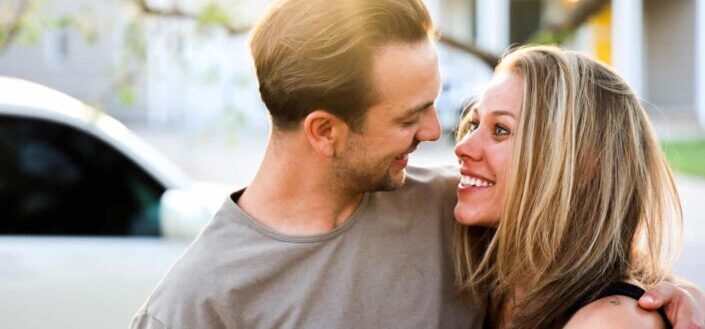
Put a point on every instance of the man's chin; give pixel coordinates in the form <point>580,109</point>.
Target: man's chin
<point>396,179</point>
<point>390,182</point>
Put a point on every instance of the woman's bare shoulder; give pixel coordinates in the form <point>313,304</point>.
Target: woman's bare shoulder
<point>615,312</point>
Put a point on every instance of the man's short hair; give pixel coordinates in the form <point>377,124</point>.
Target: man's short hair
<point>317,54</point>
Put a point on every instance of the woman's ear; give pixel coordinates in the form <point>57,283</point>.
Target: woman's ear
<point>324,132</point>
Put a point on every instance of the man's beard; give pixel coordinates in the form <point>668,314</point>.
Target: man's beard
<point>358,175</point>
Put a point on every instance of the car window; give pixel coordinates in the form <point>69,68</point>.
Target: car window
<point>57,180</point>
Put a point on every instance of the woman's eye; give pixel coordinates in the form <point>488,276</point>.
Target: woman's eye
<point>500,131</point>
<point>473,125</point>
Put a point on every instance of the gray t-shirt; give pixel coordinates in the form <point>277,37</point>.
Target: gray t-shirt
<point>388,266</point>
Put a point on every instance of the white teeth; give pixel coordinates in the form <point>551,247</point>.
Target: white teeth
<point>474,181</point>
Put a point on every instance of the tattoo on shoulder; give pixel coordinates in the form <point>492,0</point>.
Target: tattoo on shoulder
<point>615,301</point>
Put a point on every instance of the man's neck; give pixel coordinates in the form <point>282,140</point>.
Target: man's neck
<point>293,195</point>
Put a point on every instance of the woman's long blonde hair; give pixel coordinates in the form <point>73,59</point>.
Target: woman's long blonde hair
<point>590,198</point>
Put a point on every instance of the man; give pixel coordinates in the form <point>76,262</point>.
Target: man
<point>313,241</point>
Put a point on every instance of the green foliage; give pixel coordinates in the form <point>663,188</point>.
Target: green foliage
<point>546,37</point>
<point>64,21</point>
<point>33,24</point>
<point>211,76</point>
<point>133,56</point>
<point>91,36</point>
<point>30,26</point>
<point>30,31</point>
<point>213,15</point>
<point>127,95</point>
<point>224,126</point>
<point>134,42</point>
<point>86,25</point>
<point>233,118</point>
<point>687,156</point>
<point>242,81</point>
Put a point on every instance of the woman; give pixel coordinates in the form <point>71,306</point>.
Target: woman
<point>565,196</point>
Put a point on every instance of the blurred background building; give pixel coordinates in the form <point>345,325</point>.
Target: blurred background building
<point>658,45</point>
<point>180,63</point>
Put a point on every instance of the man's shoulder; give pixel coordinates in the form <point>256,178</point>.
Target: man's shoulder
<point>144,320</point>
<point>202,278</point>
<point>178,296</point>
<point>183,281</point>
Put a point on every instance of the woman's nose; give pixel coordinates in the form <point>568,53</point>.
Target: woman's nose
<point>469,147</point>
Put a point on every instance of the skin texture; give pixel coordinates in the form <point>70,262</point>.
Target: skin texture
<point>407,83</point>
<point>486,150</point>
<point>614,312</point>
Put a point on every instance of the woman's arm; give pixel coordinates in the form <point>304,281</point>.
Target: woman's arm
<point>615,312</point>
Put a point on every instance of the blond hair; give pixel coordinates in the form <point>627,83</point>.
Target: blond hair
<point>590,199</point>
<point>317,54</point>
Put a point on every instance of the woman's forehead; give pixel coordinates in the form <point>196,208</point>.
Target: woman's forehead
<point>504,93</point>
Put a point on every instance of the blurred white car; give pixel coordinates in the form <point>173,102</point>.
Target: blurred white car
<point>91,216</point>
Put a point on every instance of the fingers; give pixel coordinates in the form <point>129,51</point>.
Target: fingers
<point>658,295</point>
<point>682,309</point>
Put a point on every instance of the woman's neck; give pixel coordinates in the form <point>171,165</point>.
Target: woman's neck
<point>508,307</point>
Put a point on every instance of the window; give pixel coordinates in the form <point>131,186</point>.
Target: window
<point>57,48</point>
<point>57,180</point>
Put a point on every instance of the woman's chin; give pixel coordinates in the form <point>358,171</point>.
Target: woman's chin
<point>474,217</point>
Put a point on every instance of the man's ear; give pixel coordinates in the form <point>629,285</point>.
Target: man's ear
<point>324,131</point>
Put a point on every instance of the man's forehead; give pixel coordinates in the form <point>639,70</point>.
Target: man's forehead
<point>406,72</point>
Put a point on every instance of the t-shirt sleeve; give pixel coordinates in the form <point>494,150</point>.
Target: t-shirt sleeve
<point>143,320</point>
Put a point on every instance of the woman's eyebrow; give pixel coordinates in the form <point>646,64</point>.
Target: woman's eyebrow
<point>503,113</point>
<point>498,113</point>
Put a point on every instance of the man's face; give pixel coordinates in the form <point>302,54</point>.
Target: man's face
<point>407,82</point>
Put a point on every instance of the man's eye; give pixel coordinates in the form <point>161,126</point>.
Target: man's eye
<point>500,131</point>
<point>409,123</point>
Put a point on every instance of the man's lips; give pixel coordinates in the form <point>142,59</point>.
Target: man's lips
<point>403,159</point>
<point>406,154</point>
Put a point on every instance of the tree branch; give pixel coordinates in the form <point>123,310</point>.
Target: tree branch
<point>178,13</point>
<point>14,26</point>
<point>485,56</point>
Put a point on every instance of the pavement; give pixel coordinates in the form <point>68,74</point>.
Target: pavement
<point>235,161</point>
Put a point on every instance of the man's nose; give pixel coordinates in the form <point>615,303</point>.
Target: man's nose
<point>430,128</point>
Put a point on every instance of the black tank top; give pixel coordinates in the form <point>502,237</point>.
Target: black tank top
<point>622,289</point>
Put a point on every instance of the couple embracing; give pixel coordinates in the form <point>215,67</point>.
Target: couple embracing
<point>558,215</point>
